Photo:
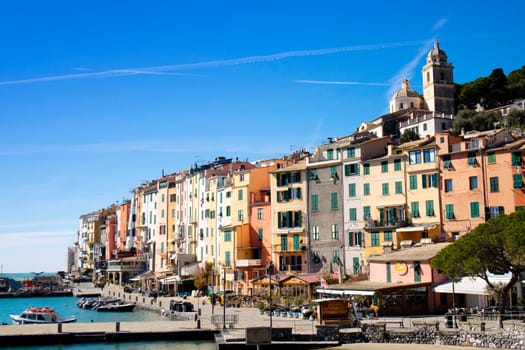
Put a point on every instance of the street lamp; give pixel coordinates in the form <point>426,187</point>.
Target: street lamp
<point>224,300</point>
<point>270,270</point>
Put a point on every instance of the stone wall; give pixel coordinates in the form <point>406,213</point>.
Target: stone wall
<point>512,336</point>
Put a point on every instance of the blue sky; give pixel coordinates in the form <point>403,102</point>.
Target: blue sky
<point>98,96</point>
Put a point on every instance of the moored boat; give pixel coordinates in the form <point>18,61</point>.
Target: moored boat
<point>40,315</point>
<point>117,307</point>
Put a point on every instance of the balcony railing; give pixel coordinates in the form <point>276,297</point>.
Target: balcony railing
<point>248,262</point>
<point>386,223</point>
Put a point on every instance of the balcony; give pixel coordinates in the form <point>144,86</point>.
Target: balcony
<point>385,224</point>
<point>248,262</point>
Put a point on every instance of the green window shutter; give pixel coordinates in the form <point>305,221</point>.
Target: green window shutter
<point>260,234</point>
<point>279,220</point>
<point>313,174</point>
<point>516,158</point>
<point>413,182</point>
<point>315,202</point>
<point>366,189</point>
<point>385,189</point>
<point>299,219</point>
<point>518,180</point>
<point>387,236</point>
<point>351,190</point>
<point>284,243</point>
<point>423,181</point>
<point>414,208</point>
<point>474,209</point>
<point>227,258</point>
<point>347,169</point>
<point>397,164</point>
<point>333,200</point>
<point>352,214</point>
<point>399,187</point>
<point>360,239</point>
<point>494,184</point>
<point>333,171</point>
<point>449,211</point>
<point>351,153</point>
<point>375,239</point>
<point>366,212</point>
<point>296,245</point>
<point>384,166</point>
<point>350,239</point>
<point>491,158</point>
<point>357,169</point>
<point>366,169</point>
<point>388,273</point>
<point>430,208</point>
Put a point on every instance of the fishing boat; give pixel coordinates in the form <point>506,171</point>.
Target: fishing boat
<point>40,315</point>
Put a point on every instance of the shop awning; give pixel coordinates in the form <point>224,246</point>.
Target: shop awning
<point>170,280</point>
<point>142,276</point>
<point>470,285</point>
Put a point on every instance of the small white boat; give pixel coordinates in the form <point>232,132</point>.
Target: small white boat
<point>40,315</point>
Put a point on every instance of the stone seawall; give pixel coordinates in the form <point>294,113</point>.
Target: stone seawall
<point>512,336</point>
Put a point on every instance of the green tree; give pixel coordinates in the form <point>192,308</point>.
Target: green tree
<point>203,277</point>
<point>409,135</point>
<point>516,119</point>
<point>516,83</point>
<point>497,246</point>
<point>468,120</point>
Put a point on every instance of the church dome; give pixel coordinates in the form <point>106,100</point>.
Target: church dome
<point>436,55</point>
<point>405,98</point>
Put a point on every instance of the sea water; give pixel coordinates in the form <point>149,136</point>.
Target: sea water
<point>66,307</point>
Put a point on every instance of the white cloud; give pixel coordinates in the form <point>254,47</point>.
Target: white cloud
<point>210,64</point>
<point>439,24</point>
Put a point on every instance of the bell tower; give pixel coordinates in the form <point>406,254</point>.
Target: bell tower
<point>438,82</point>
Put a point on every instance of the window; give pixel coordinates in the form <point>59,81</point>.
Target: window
<point>239,195</point>
<point>429,155</point>
<point>414,157</point>
<point>494,184</point>
<point>496,211</point>
<point>399,187</point>
<point>315,202</point>
<point>397,164</point>
<point>260,234</point>
<point>366,212</point>
<point>173,197</point>
<point>430,207</point>
<point>351,190</point>
<point>315,233</point>
<point>448,185</point>
<point>366,189</point>
<point>518,180</point>
<point>473,182</point>
<point>296,242</point>
<point>313,175</point>
<point>417,271</point>
<point>335,256</point>
<point>227,236</point>
<point>351,169</point>
<point>330,154</point>
<point>335,231</point>
<point>227,258</point>
<point>374,236</point>
<point>425,127</point>
<point>384,166</point>
<point>355,239</point>
<point>491,157</point>
<point>387,236</point>
<point>366,169</point>
<point>388,273</point>
<point>429,181</point>
<point>352,214</point>
<point>385,190</point>
<point>413,182</point>
<point>447,164</point>
<point>516,158</point>
<point>284,243</point>
<point>260,212</point>
<point>239,215</point>
<point>472,159</point>
<point>350,153</point>
<point>289,219</point>
<point>474,209</point>
<point>334,201</point>
<point>228,211</point>
<point>449,211</point>
<point>414,208</point>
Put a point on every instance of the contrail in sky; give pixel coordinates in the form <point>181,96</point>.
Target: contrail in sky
<point>211,64</point>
